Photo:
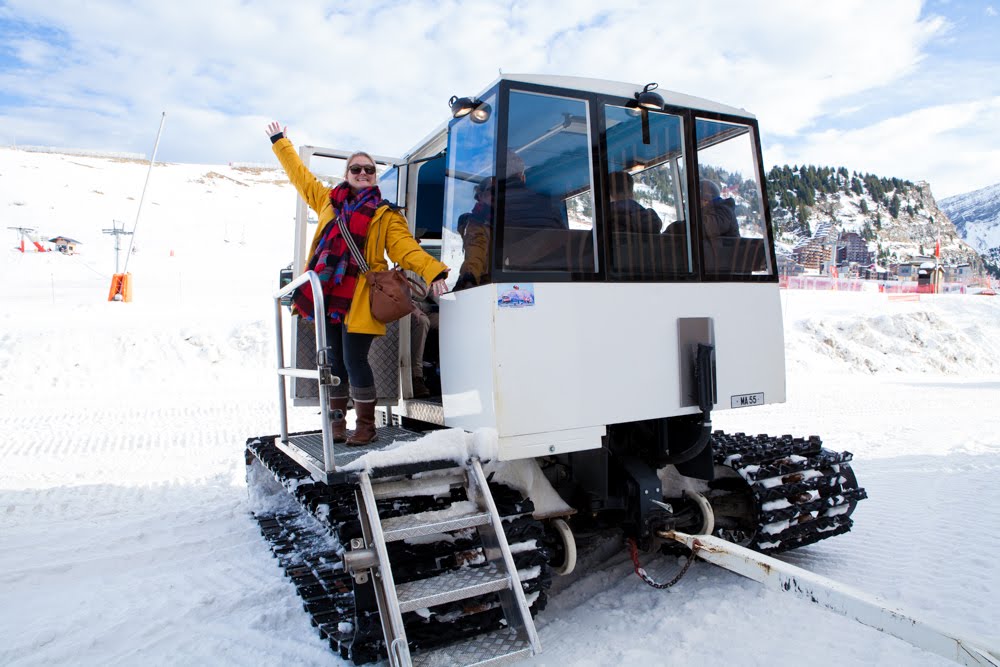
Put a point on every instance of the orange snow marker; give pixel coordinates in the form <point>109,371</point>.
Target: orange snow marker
<point>121,287</point>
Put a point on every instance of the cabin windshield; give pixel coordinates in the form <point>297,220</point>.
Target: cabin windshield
<point>557,185</point>
<point>646,210</point>
<point>546,217</point>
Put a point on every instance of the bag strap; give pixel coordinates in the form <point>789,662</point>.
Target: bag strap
<point>358,257</point>
<point>419,289</point>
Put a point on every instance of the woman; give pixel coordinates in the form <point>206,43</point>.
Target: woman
<point>378,229</point>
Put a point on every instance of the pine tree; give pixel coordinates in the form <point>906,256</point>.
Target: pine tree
<point>803,218</point>
<point>894,206</point>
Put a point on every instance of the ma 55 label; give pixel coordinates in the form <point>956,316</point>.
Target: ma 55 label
<point>747,400</point>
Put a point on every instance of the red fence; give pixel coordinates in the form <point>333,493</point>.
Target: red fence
<point>858,285</point>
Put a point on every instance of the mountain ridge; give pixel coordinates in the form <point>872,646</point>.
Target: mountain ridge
<point>898,219</point>
<point>976,216</point>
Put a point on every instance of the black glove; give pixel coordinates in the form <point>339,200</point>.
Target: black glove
<point>465,281</point>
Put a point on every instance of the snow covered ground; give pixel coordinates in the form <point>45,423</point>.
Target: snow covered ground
<point>123,509</point>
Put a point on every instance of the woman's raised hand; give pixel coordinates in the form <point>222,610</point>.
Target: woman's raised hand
<point>274,127</point>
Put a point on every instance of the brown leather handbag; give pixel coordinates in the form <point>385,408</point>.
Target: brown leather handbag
<point>389,292</point>
<point>389,295</point>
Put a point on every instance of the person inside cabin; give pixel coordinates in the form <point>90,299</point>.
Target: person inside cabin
<point>626,214</point>
<point>718,214</point>
<point>422,320</point>
<point>424,317</point>
<point>474,228</point>
<point>377,229</point>
<point>523,207</point>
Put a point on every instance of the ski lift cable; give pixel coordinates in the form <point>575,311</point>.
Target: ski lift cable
<point>142,198</point>
<point>90,268</point>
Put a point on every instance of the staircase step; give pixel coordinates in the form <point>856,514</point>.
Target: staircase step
<point>450,587</point>
<point>463,514</point>
<point>501,647</point>
<point>427,485</point>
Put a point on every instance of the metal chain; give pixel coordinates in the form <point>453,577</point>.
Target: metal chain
<point>639,570</point>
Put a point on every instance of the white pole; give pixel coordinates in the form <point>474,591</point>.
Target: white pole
<point>152,159</point>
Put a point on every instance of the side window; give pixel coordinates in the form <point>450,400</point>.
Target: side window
<point>734,237</point>
<point>546,186</point>
<point>646,205</point>
<point>429,215</point>
<point>388,184</point>
<point>468,203</point>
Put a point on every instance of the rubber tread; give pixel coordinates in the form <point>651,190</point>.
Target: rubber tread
<point>329,595</point>
<point>794,470</point>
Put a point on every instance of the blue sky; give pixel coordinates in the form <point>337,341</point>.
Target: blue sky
<point>898,87</point>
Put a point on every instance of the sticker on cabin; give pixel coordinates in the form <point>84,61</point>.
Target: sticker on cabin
<point>521,295</point>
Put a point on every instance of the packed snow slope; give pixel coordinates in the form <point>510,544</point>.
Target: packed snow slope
<point>123,508</point>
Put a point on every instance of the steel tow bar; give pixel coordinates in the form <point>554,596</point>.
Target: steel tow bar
<point>845,600</point>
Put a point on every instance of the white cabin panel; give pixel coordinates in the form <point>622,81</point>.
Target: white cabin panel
<point>535,445</point>
<point>467,361</point>
<point>584,355</point>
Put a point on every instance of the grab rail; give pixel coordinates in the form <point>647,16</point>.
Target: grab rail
<point>323,374</point>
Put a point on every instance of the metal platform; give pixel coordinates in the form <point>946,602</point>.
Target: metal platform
<point>427,410</point>
<point>312,444</point>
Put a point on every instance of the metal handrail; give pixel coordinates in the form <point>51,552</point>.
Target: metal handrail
<point>514,603</point>
<point>399,651</point>
<point>322,374</point>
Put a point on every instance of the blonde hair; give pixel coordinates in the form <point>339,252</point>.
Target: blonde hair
<point>355,154</point>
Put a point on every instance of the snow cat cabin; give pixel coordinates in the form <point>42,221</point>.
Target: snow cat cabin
<point>613,283</point>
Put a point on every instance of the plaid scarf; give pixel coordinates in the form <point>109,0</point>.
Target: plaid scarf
<point>332,260</point>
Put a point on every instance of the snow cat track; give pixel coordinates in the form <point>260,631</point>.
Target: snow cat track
<point>801,493</point>
<point>307,543</point>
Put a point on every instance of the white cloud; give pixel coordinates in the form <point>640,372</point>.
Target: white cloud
<point>951,146</point>
<point>379,75</point>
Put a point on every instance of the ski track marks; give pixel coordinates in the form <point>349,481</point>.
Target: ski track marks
<point>177,573</point>
<point>132,538</point>
<point>947,541</point>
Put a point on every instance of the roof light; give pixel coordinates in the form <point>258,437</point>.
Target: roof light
<point>647,99</point>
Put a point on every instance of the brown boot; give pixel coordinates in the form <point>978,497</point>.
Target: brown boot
<point>338,418</point>
<point>364,430</point>
<point>420,389</point>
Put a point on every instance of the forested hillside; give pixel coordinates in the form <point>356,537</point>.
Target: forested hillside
<point>898,218</point>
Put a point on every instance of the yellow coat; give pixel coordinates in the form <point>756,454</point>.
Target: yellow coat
<point>388,233</point>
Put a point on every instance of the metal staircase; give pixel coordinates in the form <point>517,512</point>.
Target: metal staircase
<point>369,557</point>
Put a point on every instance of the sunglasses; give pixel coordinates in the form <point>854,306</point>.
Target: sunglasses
<point>357,169</point>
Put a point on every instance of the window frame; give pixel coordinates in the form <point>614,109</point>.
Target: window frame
<point>605,197</point>
<point>499,273</point>
<point>758,158</point>
<point>600,189</point>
